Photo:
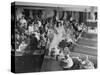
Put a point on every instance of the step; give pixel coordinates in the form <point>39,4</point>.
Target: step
<point>86,50</point>
<point>88,42</point>
<point>89,35</point>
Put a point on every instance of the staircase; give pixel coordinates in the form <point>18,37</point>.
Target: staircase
<point>87,44</point>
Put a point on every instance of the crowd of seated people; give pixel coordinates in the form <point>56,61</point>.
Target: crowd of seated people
<point>47,34</point>
<point>51,31</point>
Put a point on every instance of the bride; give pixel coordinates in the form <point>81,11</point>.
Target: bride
<point>58,37</point>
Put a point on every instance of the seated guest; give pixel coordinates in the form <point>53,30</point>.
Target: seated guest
<point>23,22</point>
<point>77,62</point>
<point>22,46</point>
<point>67,63</point>
<point>37,35</point>
<point>33,42</point>
<point>31,29</point>
<point>66,60</point>
<point>87,64</point>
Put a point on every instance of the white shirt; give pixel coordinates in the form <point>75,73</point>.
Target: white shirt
<point>37,35</point>
<point>31,29</point>
<point>23,22</point>
<point>22,46</point>
<point>68,62</point>
<point>39,22</point>
<point>88,64</point>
